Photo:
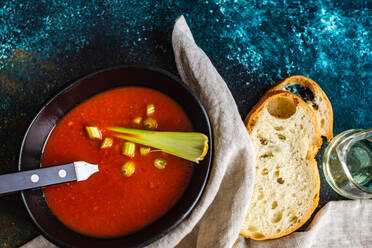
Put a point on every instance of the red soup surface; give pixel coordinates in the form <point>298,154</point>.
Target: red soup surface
<point>109,204</point>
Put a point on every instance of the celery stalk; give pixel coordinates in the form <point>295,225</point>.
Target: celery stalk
<point>188,145</point>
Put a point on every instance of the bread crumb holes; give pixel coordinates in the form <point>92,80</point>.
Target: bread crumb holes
<point>315,106</point>
<point>252,228</point>
<point>281,136</point>
<point>258,235</point>
<point>263,141</point>
<point>280,180</point>
<point>322,121</point>
<point>293,219</point>
<point>276,217</point>
<point>280,128</point>
<point>267,155</point>
<point>276,173</point>
<point>282,107</point>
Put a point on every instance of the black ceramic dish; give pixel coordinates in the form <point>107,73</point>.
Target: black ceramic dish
<point>73,95</point>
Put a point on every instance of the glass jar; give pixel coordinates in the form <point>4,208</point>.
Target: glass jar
<point>347,164</point>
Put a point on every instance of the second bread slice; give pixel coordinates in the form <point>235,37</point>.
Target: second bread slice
<point>315,98</point>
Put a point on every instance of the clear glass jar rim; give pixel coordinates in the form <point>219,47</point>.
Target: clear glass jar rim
<point>342,154</point>
<point>327,173</point>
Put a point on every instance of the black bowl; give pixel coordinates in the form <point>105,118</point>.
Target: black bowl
<point>73,95</point>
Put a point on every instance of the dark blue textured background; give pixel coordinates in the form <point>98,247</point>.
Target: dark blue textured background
<point>253,44</point>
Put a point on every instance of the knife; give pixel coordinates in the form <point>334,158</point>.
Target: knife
<point>31,179</point>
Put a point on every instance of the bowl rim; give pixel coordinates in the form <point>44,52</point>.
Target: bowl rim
<point>75,82</point>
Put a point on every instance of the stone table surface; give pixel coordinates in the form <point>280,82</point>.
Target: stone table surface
<point>253,44</point>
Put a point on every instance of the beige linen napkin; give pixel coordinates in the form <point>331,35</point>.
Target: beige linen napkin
<point>218,216</point>
<point>216,219</point>
<point>338,224</point>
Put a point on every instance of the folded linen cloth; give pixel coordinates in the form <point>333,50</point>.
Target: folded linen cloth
<point>218,216</point>
<point>338,224</point>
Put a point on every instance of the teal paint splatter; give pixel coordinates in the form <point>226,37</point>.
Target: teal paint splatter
<point>253,44</point>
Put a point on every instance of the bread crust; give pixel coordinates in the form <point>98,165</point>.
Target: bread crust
<point>315,88</point>
<point>250,122</point>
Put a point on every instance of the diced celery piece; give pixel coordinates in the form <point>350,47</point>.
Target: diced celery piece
<point>129,149</point>
<point>128,169</point>
<point>160,163</point>
<point>150,109</point>
<point>93,132</point>
<point>144,150</point>
<point>150,123</point>
<point>137,120</point>
<point>107,143</point>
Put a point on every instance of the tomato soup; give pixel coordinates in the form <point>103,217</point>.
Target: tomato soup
<point>110,204</point>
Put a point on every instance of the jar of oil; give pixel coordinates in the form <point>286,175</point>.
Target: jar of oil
<point>347,164</point>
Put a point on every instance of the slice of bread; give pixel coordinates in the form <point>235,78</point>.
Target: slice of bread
<point>314,96</point>
<point>286,138</point>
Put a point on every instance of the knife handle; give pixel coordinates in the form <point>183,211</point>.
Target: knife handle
<point>37,178</point>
